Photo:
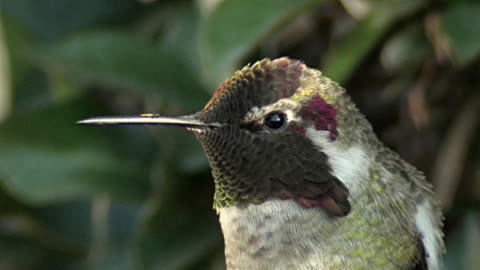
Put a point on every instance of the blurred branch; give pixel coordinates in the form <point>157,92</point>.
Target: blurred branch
<point>441,47</point>
<point>448,167</point>
<point>417,105</point>
<point>99,223</point>
<point>207,6</point>
<point>5,84</point>
<point>357,8</point>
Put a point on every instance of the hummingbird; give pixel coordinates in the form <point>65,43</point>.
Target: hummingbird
<point>302,181</point>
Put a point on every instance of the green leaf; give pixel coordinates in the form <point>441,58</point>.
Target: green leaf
<point>45,157</point>
<point>51,19</point>
<point>406,51</point>
<point>67,224</point>
<point>17,253</point>
<point>30,85</point>
<point>79,226</point>
<point>346,53</point>
<point>177,242</point>
<point>18,42</point>
<point>235,27</point>
<point>8,204</point>
<point>125,62</point>
<point>181,36</point>
<point>182,151</point>
<point>463,31</point>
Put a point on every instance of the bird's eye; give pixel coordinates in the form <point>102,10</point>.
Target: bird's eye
<point>275,120</point>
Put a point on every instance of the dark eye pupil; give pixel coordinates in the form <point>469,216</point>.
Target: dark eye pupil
<point>275,120</point>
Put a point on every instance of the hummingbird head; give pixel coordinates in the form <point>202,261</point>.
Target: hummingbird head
<point>278,120</point>
<point>269,132</point>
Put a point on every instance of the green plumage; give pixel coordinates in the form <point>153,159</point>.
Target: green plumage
<point>362,198</point>
<point>316,190</point>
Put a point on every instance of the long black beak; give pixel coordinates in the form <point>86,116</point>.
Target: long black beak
<point>189,121</point>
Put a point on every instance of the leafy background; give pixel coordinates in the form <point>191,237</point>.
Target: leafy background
<point>140,198</point>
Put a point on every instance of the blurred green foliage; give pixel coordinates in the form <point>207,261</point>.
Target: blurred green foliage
<point>140,198</point>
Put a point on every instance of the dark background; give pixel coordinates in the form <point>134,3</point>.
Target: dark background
<point>141,198</point>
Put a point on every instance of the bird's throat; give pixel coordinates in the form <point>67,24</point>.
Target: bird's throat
<point>284,235</point>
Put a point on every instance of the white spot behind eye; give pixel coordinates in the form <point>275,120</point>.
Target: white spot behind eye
<point>350,165</point>
<point>291,116</point>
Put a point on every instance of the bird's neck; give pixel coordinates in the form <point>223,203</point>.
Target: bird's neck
<point>281,234</point>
